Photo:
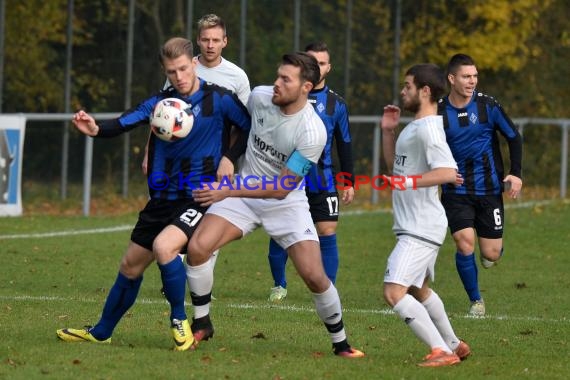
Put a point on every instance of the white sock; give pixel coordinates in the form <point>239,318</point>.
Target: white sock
<point>436,311</point>
<point>329,310</point>
<point>200,281</point>
<point>416,316</point>
<point>214,257</point>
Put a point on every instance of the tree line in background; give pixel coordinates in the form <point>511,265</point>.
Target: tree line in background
<point>521,47</point>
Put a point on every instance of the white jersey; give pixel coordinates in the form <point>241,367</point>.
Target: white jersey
<point>274,136</point>
<point>421,147</point>
<point>227,74</point>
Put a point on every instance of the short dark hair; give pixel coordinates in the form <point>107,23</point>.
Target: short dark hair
<point>428,74</point>
<point>457,61</point>
<point>174,48</point>
<point>308,64</point>
<point>317,46</point>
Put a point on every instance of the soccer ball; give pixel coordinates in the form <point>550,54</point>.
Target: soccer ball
<point>169,121</point>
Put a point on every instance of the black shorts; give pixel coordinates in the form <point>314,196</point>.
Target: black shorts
<point>159,213</point>
<point>324,206</point>
<point>484,213</point>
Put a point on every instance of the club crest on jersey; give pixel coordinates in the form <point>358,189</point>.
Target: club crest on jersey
<point>473,118</point>
<point>320,107</point>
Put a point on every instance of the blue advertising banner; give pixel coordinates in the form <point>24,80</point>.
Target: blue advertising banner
<point>12,130</point>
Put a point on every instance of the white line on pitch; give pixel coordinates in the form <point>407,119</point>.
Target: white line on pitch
<point>291,308</point>
<point>68,233</point>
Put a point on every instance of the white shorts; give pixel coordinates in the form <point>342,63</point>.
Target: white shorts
<point>410,262</point>
<point>287,221</point>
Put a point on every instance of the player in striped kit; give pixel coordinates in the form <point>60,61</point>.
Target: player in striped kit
<point>472,121</point>
<point>175,168</point>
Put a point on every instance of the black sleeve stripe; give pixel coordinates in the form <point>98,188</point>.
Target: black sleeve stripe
<point>331,103</point>
<point>482,111</point>
<point>441,111</point>
<point>110,128</point>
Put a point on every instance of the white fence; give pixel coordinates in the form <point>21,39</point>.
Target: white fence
<point>371,121</point>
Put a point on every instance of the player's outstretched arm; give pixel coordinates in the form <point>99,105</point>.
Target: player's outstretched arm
<point>278,189</point>
<point>85,123</point>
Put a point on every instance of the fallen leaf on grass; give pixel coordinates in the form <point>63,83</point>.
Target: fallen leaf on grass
<point>206,359</point>
<point>259,335</point>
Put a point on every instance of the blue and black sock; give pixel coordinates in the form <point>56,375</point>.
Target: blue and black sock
<point>329,254</point>
<point>173,277</point>
<point>467,269</point>
<point>121,297</point>
<point>277,261</point>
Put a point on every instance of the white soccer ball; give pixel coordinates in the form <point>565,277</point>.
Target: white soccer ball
<point>169,121</point>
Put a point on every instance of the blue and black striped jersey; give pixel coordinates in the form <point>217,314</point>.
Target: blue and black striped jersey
<point>472,135</point>
<point>333,111</point>
<point>176,168</point>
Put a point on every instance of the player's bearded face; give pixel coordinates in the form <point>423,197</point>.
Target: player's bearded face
<point>412,103</point>
<point>410,96</point>
<point>287,88</point>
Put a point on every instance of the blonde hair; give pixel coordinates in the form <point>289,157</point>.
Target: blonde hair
<point>174,48</point>
<point>211,21</point>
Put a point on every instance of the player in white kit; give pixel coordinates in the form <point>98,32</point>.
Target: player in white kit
<point>211,65</point>
<point>287,137</point>
<point>422,156</point>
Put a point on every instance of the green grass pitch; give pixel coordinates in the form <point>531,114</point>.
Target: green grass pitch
<point>51,278</point>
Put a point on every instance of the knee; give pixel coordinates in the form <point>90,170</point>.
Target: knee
<point>393,293</point>
<point>465,240</point>
<point>390,298</point>
<point>316,283</point>
<point>197,252</point>
<point>129,270</point>
<point>326,230</point>
<point>492,253</point>
<point>465,246</point>
<point>163,249</point>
